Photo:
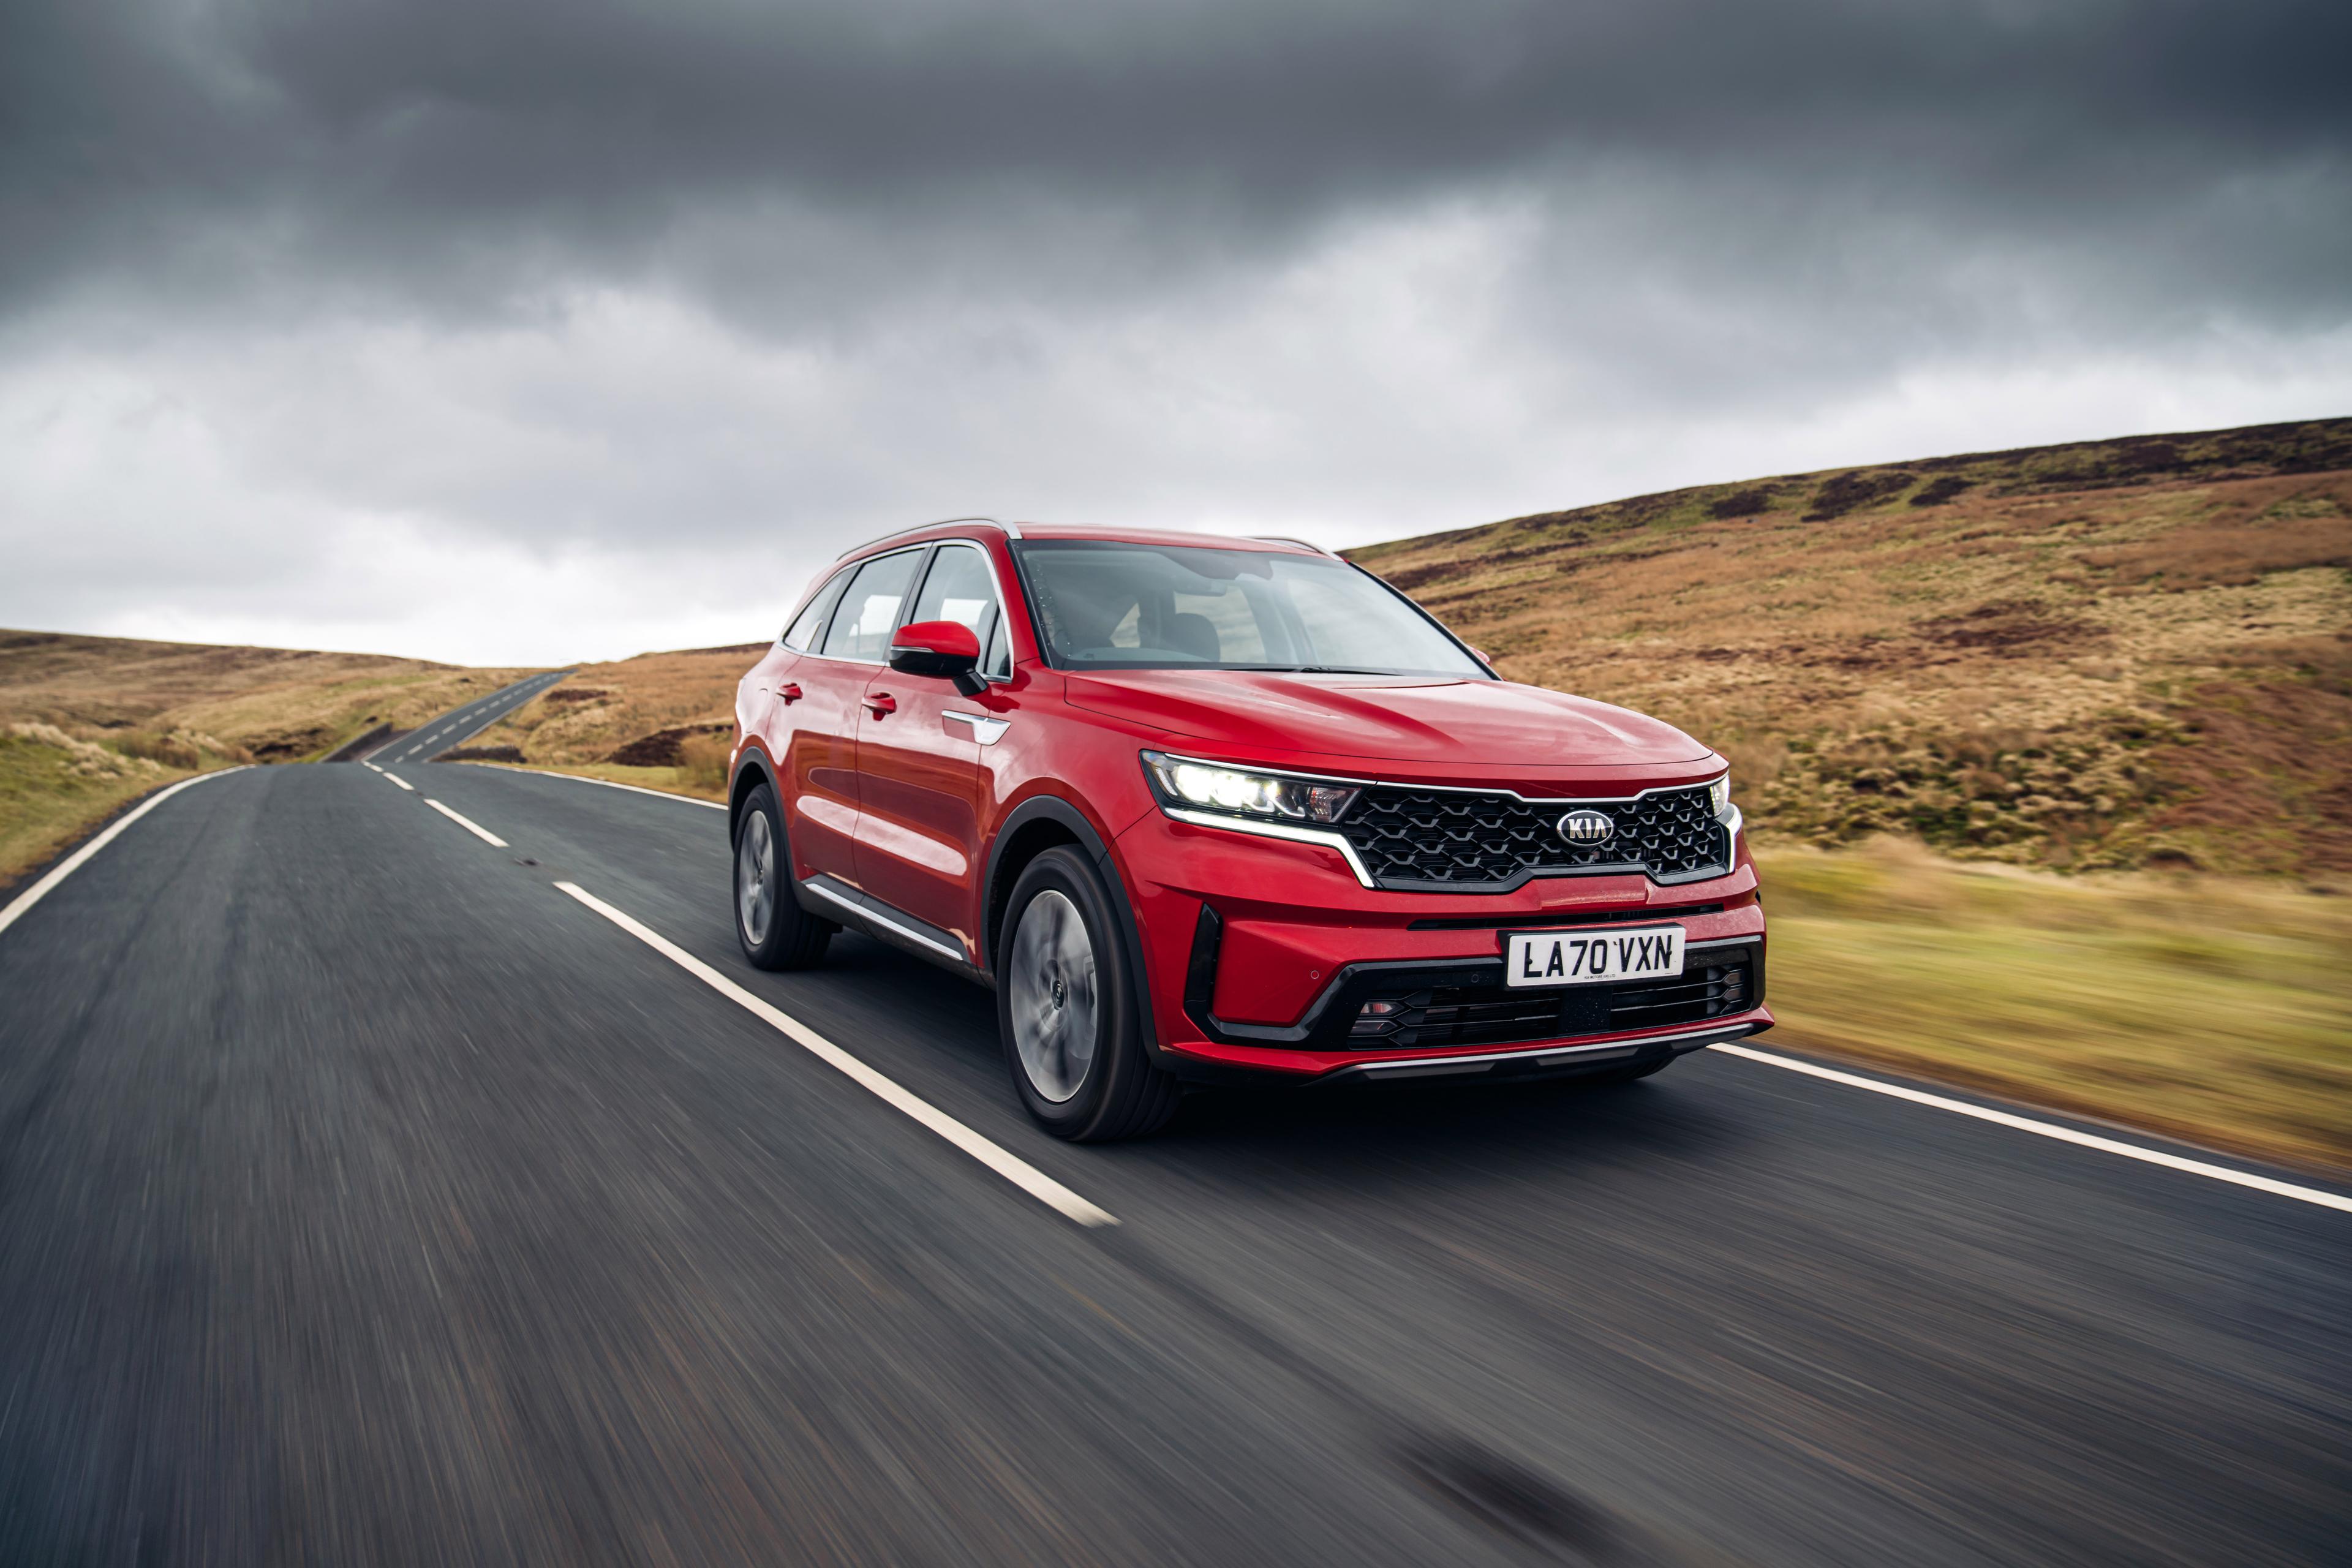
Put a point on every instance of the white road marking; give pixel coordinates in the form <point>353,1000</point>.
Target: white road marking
<point>475,828</point>
<point>608,783</point>
<point>371,765</point>
<point>398,780</point>
<point>73,862</point>
<point>1004,1162</point>
<point>2051,1129</point>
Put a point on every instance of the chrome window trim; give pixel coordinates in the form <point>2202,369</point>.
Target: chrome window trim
<point>1011,531</point>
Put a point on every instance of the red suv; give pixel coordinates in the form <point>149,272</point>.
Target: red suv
<point>1214,810</point>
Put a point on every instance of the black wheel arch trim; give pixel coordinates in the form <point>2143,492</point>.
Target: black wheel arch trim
<point>1063,813</point>
<point>752,759</point>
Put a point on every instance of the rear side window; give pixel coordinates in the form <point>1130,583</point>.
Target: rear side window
<point>869,608</point>
<point>802,634</point>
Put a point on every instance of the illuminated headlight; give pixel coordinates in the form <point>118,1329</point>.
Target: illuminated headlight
<point>1245,794</point>
<point>1719,796</point>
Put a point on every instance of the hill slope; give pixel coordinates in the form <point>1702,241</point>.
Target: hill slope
<point>2100,654</point>
<point>87,724</point>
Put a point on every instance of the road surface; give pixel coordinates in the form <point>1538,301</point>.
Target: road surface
<point>459,725</point>
<point>366,1197</point>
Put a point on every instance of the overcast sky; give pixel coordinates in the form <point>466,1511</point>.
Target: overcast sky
<point>543,329</point>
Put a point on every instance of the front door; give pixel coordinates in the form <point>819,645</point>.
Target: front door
<point>918,763</point>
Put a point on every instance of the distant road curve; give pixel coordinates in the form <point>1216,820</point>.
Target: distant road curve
<point>459,725</point>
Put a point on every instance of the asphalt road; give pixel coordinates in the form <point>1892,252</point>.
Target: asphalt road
<point>459,725</point>
<point>365,1197</point>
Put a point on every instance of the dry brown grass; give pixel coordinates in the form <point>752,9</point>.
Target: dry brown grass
<point>2204,1007</point>
<point>663,719</point>
<point>2150,668</point>
<point>163,711</point>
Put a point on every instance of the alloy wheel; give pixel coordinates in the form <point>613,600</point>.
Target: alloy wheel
<point>1054,996</point>
<point>755,878</point>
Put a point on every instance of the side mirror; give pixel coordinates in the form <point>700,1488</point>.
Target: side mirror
<point>946,651</point>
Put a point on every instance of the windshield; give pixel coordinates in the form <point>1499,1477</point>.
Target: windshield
<point>1104,605</point>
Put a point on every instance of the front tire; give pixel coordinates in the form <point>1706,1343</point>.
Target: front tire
<point>774,931</point>
<point>1069,1008</point>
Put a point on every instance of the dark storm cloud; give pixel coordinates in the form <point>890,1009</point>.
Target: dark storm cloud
<point>527,328</point>
<point>456,153</point>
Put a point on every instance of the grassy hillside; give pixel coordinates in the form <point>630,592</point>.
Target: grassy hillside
<point>89,724</point>
<point>2108,654</point>
<point>663,720</point>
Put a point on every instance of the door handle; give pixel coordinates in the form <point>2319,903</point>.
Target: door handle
<point>788,693</point>
<point>882,703</point>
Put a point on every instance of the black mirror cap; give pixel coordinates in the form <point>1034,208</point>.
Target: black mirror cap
<point>934,665</point>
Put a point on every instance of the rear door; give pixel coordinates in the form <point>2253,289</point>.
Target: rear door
<point>918,744</point>
<point>820,759</point>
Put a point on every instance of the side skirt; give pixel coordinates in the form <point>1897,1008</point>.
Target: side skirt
<point>829,898</point>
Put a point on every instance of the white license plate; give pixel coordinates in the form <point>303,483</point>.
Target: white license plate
<point>1587,957</point>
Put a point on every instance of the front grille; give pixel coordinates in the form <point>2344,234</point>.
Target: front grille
<point>1497,1015</point>
<point>1432,840</point>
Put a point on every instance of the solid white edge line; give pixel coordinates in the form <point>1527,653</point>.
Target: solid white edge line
<point>398,780</point>
<point>1005,1163</point>
<point>73,862</point>
<point>2051,1129</point>
<point>608,783</point>
<point>475,828</point>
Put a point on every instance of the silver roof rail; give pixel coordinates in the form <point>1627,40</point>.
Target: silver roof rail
<point>1285,539</point>
<point>1011,531</point>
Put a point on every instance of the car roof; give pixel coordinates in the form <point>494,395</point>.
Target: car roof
<point>956,527</point>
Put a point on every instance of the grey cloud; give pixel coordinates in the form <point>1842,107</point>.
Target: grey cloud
<point>611,288</point>
<point>453,151</point>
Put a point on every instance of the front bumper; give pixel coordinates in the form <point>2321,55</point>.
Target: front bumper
<point>1259,954</point>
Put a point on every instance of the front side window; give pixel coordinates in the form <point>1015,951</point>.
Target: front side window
<point>960,588</point>
<point>802,633</point>
<point>869,608</point>
<point>1105,605</point>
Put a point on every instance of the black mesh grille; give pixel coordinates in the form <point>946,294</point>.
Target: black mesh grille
<point>1497,1015</point>
<point>1429,839</point>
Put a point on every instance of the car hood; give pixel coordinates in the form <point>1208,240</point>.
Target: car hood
<point>1428,719</point>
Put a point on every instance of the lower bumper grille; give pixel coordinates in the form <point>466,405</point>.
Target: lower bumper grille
<point>1712,986</point>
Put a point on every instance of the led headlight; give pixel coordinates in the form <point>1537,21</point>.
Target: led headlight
<point>1212,787</point>
<point>1719,795</point>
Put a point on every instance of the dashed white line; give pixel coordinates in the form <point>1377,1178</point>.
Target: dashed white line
<point>2051,1129</point>
<point>74,862</point>
<point>475,828</point>
<point>371,765</point>
<point>609,784</point>
<point>398,780</point>
<point>1002,1161</point>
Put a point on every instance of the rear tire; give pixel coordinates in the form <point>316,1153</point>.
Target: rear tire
<point>1069,1008</point>
<point>775,932</point>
